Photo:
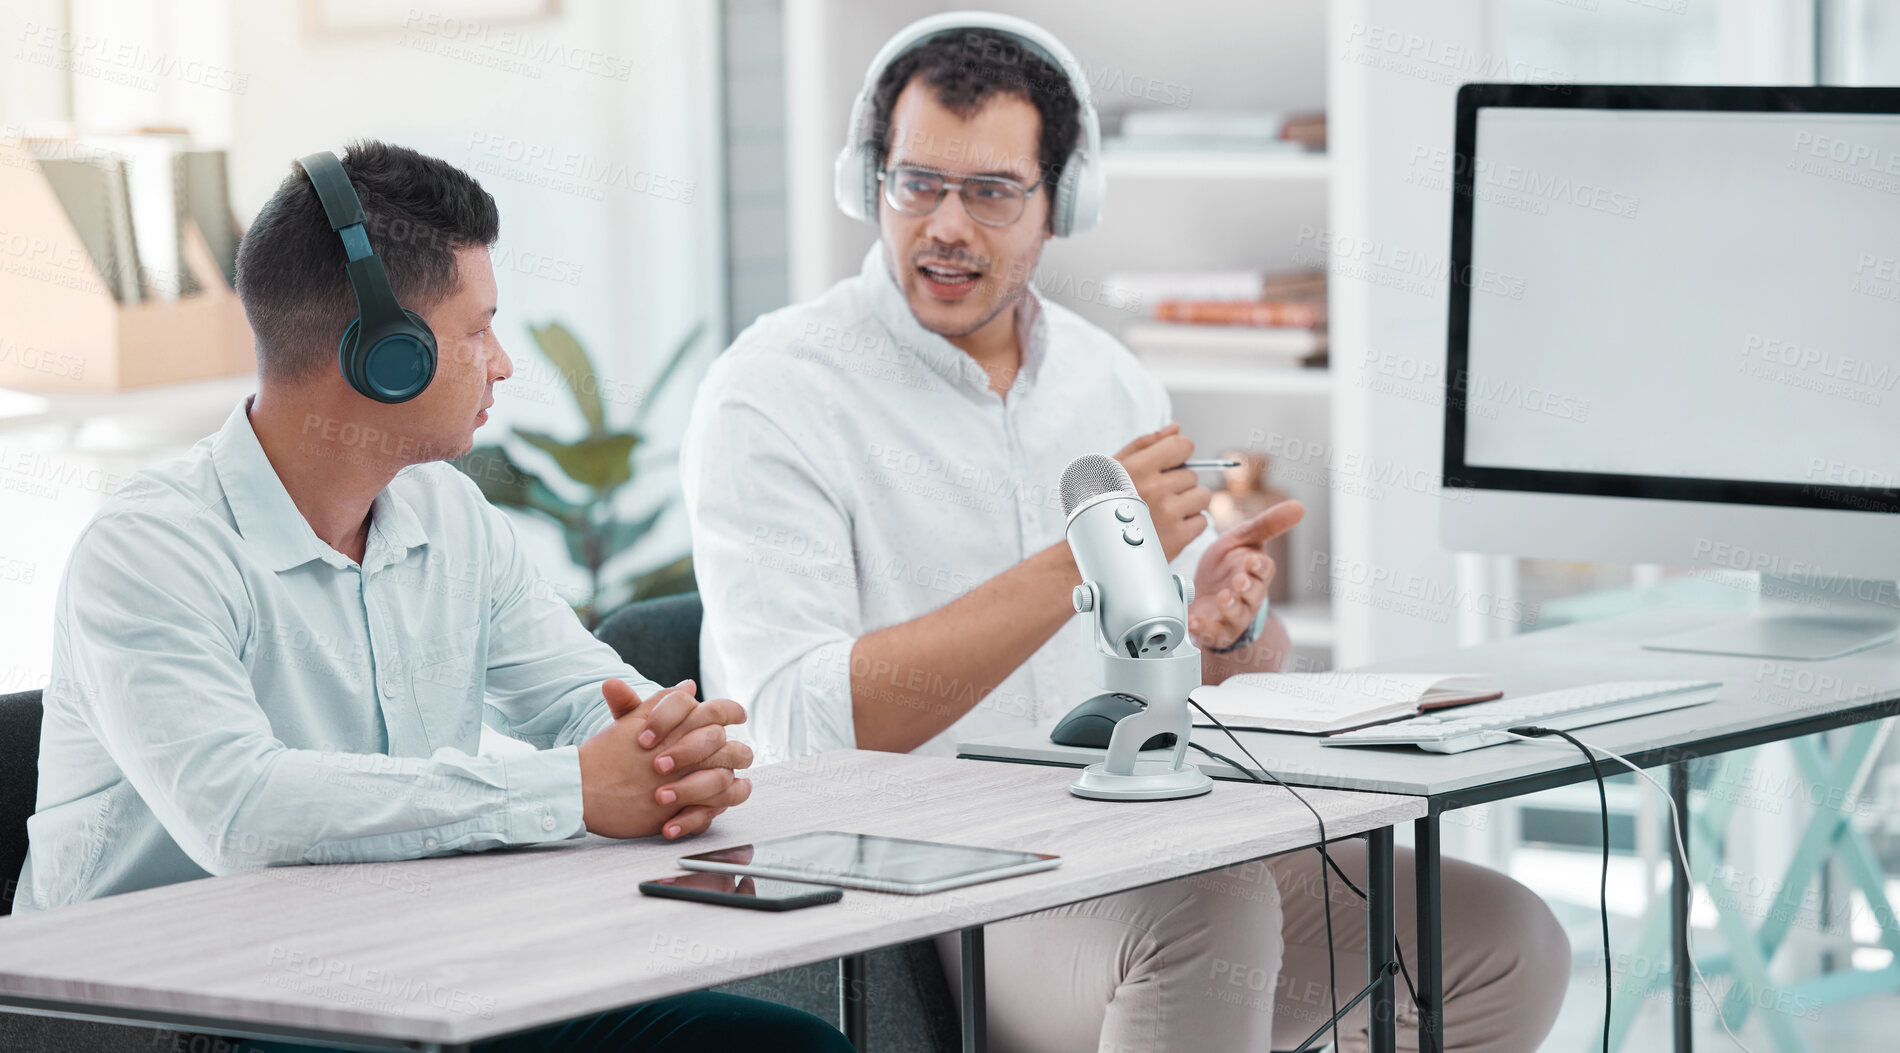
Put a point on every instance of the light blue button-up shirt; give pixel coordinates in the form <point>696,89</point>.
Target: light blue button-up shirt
<point>230,692</point>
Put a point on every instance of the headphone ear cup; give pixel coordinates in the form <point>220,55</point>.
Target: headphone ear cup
<point>1062,206</point>
<point>1078,202</point>
<point>347,358</point>
<point>868,180</point>
<point>423,331</point>
<point>425,348</point>
<point>854,183</point>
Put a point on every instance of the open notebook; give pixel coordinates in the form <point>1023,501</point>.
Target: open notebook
<point>1322,703</point>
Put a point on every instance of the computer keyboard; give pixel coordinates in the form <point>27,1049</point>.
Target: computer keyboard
<point>1483,723</point>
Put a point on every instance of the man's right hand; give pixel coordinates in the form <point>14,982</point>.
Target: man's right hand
<point>1174,494</point>
<point>664,765</point>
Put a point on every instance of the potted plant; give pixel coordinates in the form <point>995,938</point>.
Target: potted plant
<point>600,461</point>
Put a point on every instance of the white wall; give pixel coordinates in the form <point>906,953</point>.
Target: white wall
<point>1390,233</point>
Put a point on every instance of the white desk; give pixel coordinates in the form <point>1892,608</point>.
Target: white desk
<point>381,956</point>
<point>1761,701</point>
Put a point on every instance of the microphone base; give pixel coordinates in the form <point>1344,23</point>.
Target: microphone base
<point>1153,780</point>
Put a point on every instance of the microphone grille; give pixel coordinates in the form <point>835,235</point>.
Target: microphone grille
<point>1092,475</point>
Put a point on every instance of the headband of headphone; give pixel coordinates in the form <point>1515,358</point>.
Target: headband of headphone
<point>1076,203</point>
<point>388,351</point>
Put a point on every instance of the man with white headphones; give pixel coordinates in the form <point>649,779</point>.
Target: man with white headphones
<point>872,483</point>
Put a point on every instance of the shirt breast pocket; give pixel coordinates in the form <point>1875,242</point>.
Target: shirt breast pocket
<point>447,676</point>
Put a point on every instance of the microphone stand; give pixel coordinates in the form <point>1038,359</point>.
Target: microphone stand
<point>1163,684</point>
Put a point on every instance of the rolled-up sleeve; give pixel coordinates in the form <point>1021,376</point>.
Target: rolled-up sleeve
<point>156,627</point>
<point>772,550</point>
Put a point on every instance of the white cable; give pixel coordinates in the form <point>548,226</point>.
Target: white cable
<point>1682,850</point>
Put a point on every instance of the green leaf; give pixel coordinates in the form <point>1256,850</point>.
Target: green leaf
<point>675,577</point>
<point>508,485</point>
<point>562,349</point>
<point>672,366</point>
<point>623,534</point>
<point>603,462</point>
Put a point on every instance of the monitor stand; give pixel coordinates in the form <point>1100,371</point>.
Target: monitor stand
<point>1843,616</point>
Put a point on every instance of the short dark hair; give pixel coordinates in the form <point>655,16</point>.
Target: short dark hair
<point>966,68</point>
<point>418,211</point>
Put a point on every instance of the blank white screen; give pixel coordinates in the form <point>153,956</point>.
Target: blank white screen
<point>1701,294</point>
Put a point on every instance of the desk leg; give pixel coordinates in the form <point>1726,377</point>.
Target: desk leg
<point>1679,976</point>
<point>976,1022</point>
<point>1431,934</point>
<point>1379,939</point>
<point>852,998</point>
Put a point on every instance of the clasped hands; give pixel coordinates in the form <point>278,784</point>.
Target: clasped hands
<point>664,766</point>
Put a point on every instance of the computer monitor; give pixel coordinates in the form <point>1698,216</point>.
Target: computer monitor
<point>1675,338</point>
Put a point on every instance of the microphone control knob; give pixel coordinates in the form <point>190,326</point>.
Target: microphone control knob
<point>1083,598</point>
<point>1186,587</point>
<point>1132,535</point>
<point>1125,512</point>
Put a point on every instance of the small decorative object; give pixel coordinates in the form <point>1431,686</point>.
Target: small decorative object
<point>1245,493</point>
<point>602,462</point>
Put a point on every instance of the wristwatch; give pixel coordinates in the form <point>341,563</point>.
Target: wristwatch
<point>1249,634</point>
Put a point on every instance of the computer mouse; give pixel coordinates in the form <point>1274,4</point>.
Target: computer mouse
<point>1091,723</point>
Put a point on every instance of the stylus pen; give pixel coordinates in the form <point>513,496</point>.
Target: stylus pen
<point>1208,465</point>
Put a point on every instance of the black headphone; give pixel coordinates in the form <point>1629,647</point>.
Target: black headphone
<point>388,352</point>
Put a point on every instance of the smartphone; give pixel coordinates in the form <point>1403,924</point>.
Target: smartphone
<point>734,890</point>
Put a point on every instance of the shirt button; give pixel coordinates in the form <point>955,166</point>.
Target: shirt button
<point>547,822</point>
<point>429,842</point>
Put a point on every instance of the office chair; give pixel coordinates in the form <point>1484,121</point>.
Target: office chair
<point>19,780</point>
<point>908,1005</point>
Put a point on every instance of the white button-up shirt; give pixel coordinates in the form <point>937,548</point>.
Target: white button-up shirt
<point>230,692</point>
<point>846,470</point>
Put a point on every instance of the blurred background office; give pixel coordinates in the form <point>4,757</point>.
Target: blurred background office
<point>663,169</point>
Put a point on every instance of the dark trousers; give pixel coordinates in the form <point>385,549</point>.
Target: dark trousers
<point>696,1023</point>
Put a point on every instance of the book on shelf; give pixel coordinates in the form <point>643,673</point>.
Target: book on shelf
<point>1214,131</point>
<point>1226,344</point>
<point>208,202</point>
<point>1309,130</point>
<point>1294,285</point>
<point>1324,703</point>
<point>92,191</point>
<point>1292,314</point>
<point>155,177</point>
<point>129,197</point>
<point>1151,287</point>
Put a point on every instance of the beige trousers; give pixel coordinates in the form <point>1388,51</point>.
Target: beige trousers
<point>1235,960</point>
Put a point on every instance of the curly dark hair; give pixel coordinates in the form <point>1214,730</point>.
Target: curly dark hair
<point>968,66</point>
<point>418,211</point>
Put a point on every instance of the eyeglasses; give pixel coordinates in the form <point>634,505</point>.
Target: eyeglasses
<point>990,200</point>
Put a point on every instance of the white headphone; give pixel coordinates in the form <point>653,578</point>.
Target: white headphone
<point>1076,203</point>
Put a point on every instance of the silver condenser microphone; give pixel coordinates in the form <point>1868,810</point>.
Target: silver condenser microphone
<point>1138,611</point>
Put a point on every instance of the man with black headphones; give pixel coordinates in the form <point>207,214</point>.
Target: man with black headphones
<point>280,648</point>
<point>871,479</point>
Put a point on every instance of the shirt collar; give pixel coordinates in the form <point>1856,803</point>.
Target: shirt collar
<point>269,521</point>
<point>945,358</point>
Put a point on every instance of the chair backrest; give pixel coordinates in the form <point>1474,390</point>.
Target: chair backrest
<point>659,637</point>
<point>19,782</point>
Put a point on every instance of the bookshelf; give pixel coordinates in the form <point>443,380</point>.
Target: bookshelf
<point>1198,379</point>
<point>1192,165</point>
